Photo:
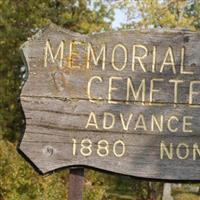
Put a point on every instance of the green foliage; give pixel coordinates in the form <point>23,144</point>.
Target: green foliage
<point>95,187</point>
<point>143,14</point>
<point>19,181</point>
<point>193,11</point>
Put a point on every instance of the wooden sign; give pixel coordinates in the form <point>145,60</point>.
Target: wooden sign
<point>126,102</point>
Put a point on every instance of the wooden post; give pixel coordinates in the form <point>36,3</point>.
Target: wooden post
<point>76,179</point>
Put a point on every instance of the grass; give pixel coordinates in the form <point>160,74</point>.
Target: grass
<point>186,196</point>
<point>115,196</point>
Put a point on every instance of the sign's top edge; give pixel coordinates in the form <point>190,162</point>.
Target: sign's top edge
<point>56,28</point>
<point>145,31</point>
<point>49,27</point>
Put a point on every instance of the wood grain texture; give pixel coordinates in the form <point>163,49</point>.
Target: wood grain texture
<point>57,106</point>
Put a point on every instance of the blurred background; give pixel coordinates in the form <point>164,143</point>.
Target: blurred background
<point>20,19</point>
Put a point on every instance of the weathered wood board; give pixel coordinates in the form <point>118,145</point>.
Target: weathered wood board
<point>126,102</point>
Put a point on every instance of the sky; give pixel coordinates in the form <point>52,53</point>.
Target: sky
<point>119,18</point>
